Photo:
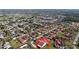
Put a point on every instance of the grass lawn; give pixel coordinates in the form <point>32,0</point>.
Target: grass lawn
<point>69,43</point>
<point>15,43</point>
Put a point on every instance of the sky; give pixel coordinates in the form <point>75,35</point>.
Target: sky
<point>39,4</point>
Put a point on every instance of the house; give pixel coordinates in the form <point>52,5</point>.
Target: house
<point>57,43</point>
<point>23,39</point>
<point>1,35</point>
<point>53,35</point>
<point>68,35</point>
<point>35,34</point>
<point>41,42</point>
<point>7,45</point>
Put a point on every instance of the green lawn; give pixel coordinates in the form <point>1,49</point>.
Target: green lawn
<point>15,43</point>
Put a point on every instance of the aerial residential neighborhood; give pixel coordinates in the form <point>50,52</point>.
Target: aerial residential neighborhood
<point>39,29</point>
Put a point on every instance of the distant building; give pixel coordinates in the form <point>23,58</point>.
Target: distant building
<point>46,19</point>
